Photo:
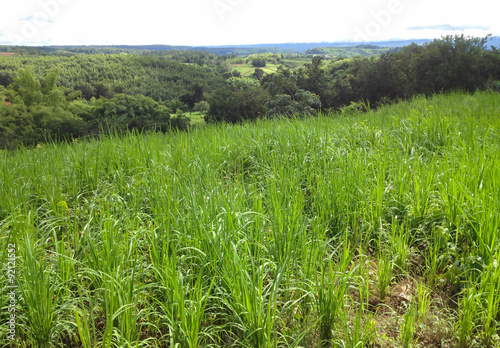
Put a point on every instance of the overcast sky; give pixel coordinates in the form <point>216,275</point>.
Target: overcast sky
<point>232,22</point>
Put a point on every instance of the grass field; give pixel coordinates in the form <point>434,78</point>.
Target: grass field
<point>195,117</point>
<point>376,230</point>
<point>249,69</point>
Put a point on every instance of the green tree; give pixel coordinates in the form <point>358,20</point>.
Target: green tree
<point>44,111</point>
<point>176,106</point>
<point>127,112</point>
<point>304,103</point>
<point>26,88</point>
<point>311,76</point>
<point>236,104</point>
<point>242,83</point>
<point>286,98</point>
<point>16,126</point>
<point>258,73</point>
<point>452,62</point>
<point>284,81</point>
<point>194,96</point>
<point>202,106</point>
<point>259,62</point>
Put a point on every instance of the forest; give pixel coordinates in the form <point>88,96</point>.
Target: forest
<point>55,96</point>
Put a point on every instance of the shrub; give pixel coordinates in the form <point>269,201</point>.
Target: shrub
<point>259,62</point>
<point>237,104</point>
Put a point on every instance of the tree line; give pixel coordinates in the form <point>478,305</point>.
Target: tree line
<point>32,112</point>
<point>450,63</point>
<point>64,97</point>
<point>101,75</point>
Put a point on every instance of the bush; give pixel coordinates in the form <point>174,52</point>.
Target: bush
<point>304,103</point>
<point>259,62</point>
<point>202,106</point>
<point>127,112</point>
<point>237,104</point>
<point>493,86</point>
<point>180,122</point>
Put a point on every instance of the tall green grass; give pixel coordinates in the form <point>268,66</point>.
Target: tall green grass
<point>297,233</point>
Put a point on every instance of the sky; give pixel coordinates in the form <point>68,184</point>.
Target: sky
<point>238,22</point>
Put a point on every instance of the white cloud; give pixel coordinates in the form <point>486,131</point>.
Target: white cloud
<point>222,22</point>
<point>41,18</point>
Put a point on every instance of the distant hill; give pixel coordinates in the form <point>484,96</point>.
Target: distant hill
<point>303,47</point>
<point>349,52</point>
<point>242,50</point>
<point>307,48</point>
<point>272,48</point>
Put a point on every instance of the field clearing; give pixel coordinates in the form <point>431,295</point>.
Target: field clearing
<point>249,69</point>
<point>296,63</point>
<point>195,117</point>
<point>374,230</point>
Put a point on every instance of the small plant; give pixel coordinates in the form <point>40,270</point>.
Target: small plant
<point>400,246</point>
<point>384,276</point>
<point>490,303</point>
<point>468,307</point>
<point>330,300</point>
<point>358,326</point>
<point>433,261</point>
<point>355,108</point>
<point>409,325</point>
<point>423,302</point>
<point>384,272</point>
<point>40,295</point>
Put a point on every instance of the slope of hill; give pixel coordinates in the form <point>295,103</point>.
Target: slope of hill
<point>377,228</point>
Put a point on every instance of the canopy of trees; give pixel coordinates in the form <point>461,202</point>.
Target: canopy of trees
<point>31,112</point>
<point>451,63</point>
<point>100,75</point>
<point>237,102</point>
<point>66,96</point>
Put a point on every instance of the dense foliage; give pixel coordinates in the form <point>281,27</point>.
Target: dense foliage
<point>242,99</point>
<point>451,63</point>
<point>180,80</point>
<point>160,78</point>
<point>348,52</point>
<point>32,113</point>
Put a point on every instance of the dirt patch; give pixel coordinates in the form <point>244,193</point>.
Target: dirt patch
<point>6,102</point>
<point>7,54</point>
